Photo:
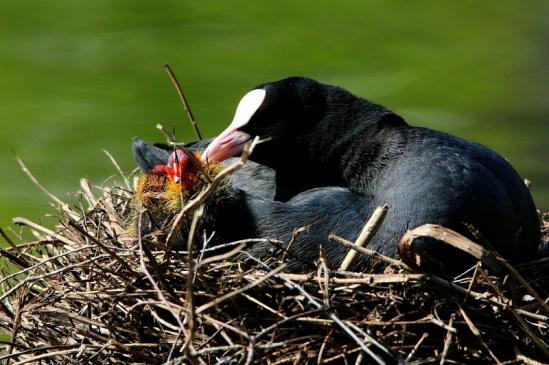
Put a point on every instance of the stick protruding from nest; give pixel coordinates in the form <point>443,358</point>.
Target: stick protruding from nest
<point>183,99</point>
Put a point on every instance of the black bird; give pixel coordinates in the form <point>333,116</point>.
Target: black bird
<point>322,135</point>
<point>244,208</point>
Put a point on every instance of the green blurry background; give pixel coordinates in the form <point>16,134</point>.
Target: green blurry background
<point>79,76</point>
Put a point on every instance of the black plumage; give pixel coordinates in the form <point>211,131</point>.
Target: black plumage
<point>147,155</point>
<point>322,135</point>
<point>306,221</point>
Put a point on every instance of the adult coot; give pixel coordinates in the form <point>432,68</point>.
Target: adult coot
<point>244,208</point>
<point>322,135</point>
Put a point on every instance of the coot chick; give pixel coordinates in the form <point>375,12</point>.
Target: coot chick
<point>255,178</point>
<point>322,135</point>
<point>244,199</point>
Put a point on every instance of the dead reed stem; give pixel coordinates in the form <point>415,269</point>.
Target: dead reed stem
<point>365,236</point>
<point>183,99</point>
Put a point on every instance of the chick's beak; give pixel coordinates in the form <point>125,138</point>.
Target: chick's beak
<point>228,144</point>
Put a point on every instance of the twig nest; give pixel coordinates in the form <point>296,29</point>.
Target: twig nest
<point>82,294</point>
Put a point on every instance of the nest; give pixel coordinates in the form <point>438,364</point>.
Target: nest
<point>94,291</point>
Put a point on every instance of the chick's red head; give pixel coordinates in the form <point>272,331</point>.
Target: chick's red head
<point>158,169</point>
<point>177,165</point>
<point>180,170</point>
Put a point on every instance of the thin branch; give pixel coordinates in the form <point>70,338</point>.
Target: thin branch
<point>183,99</point>
<point>169,137</point>
<point>102,246</point>
<point>190,276</point>
<point>477,334</point>
<point>64,206</point>
<point>144,269</point>
<point>8,240</point>
<point>369,252</point>
<point>223,298</point>
<point>447,341</point>
<point>118,169</point>
<point>367,233</point>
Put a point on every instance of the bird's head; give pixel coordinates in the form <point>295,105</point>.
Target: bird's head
<point>184,169</point>
<point>176,168</point>
<point>280,112</point>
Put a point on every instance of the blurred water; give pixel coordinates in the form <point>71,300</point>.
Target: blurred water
<point>76,77</point>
